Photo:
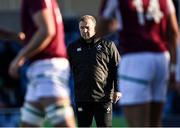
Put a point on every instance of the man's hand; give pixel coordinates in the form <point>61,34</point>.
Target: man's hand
<point>116,96</point>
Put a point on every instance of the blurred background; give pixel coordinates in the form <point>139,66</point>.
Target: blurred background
<point>12,91</point>
<point>9,10</point>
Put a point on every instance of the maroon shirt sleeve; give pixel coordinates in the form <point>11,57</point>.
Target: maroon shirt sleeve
<point>36,5</point>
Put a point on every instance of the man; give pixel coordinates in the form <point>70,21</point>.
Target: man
<point>147,28</point>
<point>94,64</point>
<point>47,93</point>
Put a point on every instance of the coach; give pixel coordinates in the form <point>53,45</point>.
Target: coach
<point>94,64</point>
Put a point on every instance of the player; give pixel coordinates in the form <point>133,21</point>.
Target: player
<point>148,29</point>
<point>47,93</point>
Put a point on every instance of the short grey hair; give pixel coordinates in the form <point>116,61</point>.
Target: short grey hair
<point>86,17</point>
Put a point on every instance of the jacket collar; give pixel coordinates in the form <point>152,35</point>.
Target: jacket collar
<point>93,41</point>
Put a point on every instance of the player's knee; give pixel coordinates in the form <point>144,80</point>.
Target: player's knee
<point>31,115</point>
<point>58,114</point>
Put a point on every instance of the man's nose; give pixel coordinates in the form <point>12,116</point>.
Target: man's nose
<point>85,30</point>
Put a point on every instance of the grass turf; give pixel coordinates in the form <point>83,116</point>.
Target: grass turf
<point>118,121</point>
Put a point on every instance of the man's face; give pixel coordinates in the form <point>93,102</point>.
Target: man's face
<point>87,29</point>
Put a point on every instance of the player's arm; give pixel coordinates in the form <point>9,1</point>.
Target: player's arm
<point>42,37</point>
<point>173,35</point>
<point>107,21</point>
<point>173,31</point>
<point>11,36</point>
<point>106,26</point>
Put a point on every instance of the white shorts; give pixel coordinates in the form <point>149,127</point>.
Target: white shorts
<point>143,77</point>
<point>178,63</point>
<point>48,78</point>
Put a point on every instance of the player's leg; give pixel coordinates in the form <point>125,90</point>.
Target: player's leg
<point>31,115</point>
<point>156,114</point>
<point>59,111</point>
<point>159,88</point>
<point>135,76</point>
<point>137,115</point>
<point>52,77</point>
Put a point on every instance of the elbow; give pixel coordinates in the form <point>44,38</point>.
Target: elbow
<point>51,33</point>
<point>174,35</point>
<point>48,32</point>
<point>175,32</point>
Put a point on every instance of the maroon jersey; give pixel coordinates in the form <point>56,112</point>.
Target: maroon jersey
<point>143,23</point>
<point>56,47</point>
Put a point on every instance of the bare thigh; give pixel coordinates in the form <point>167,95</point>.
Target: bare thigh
<point>156,114</point>
<point>36,105</point>
<point>137,115</point>
<point>70,120</point>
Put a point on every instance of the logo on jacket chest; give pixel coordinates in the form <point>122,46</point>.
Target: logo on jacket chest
<point>79,49</point>
<point>99,47</point>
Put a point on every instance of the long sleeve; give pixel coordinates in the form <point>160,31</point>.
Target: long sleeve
<point>115,58</point>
